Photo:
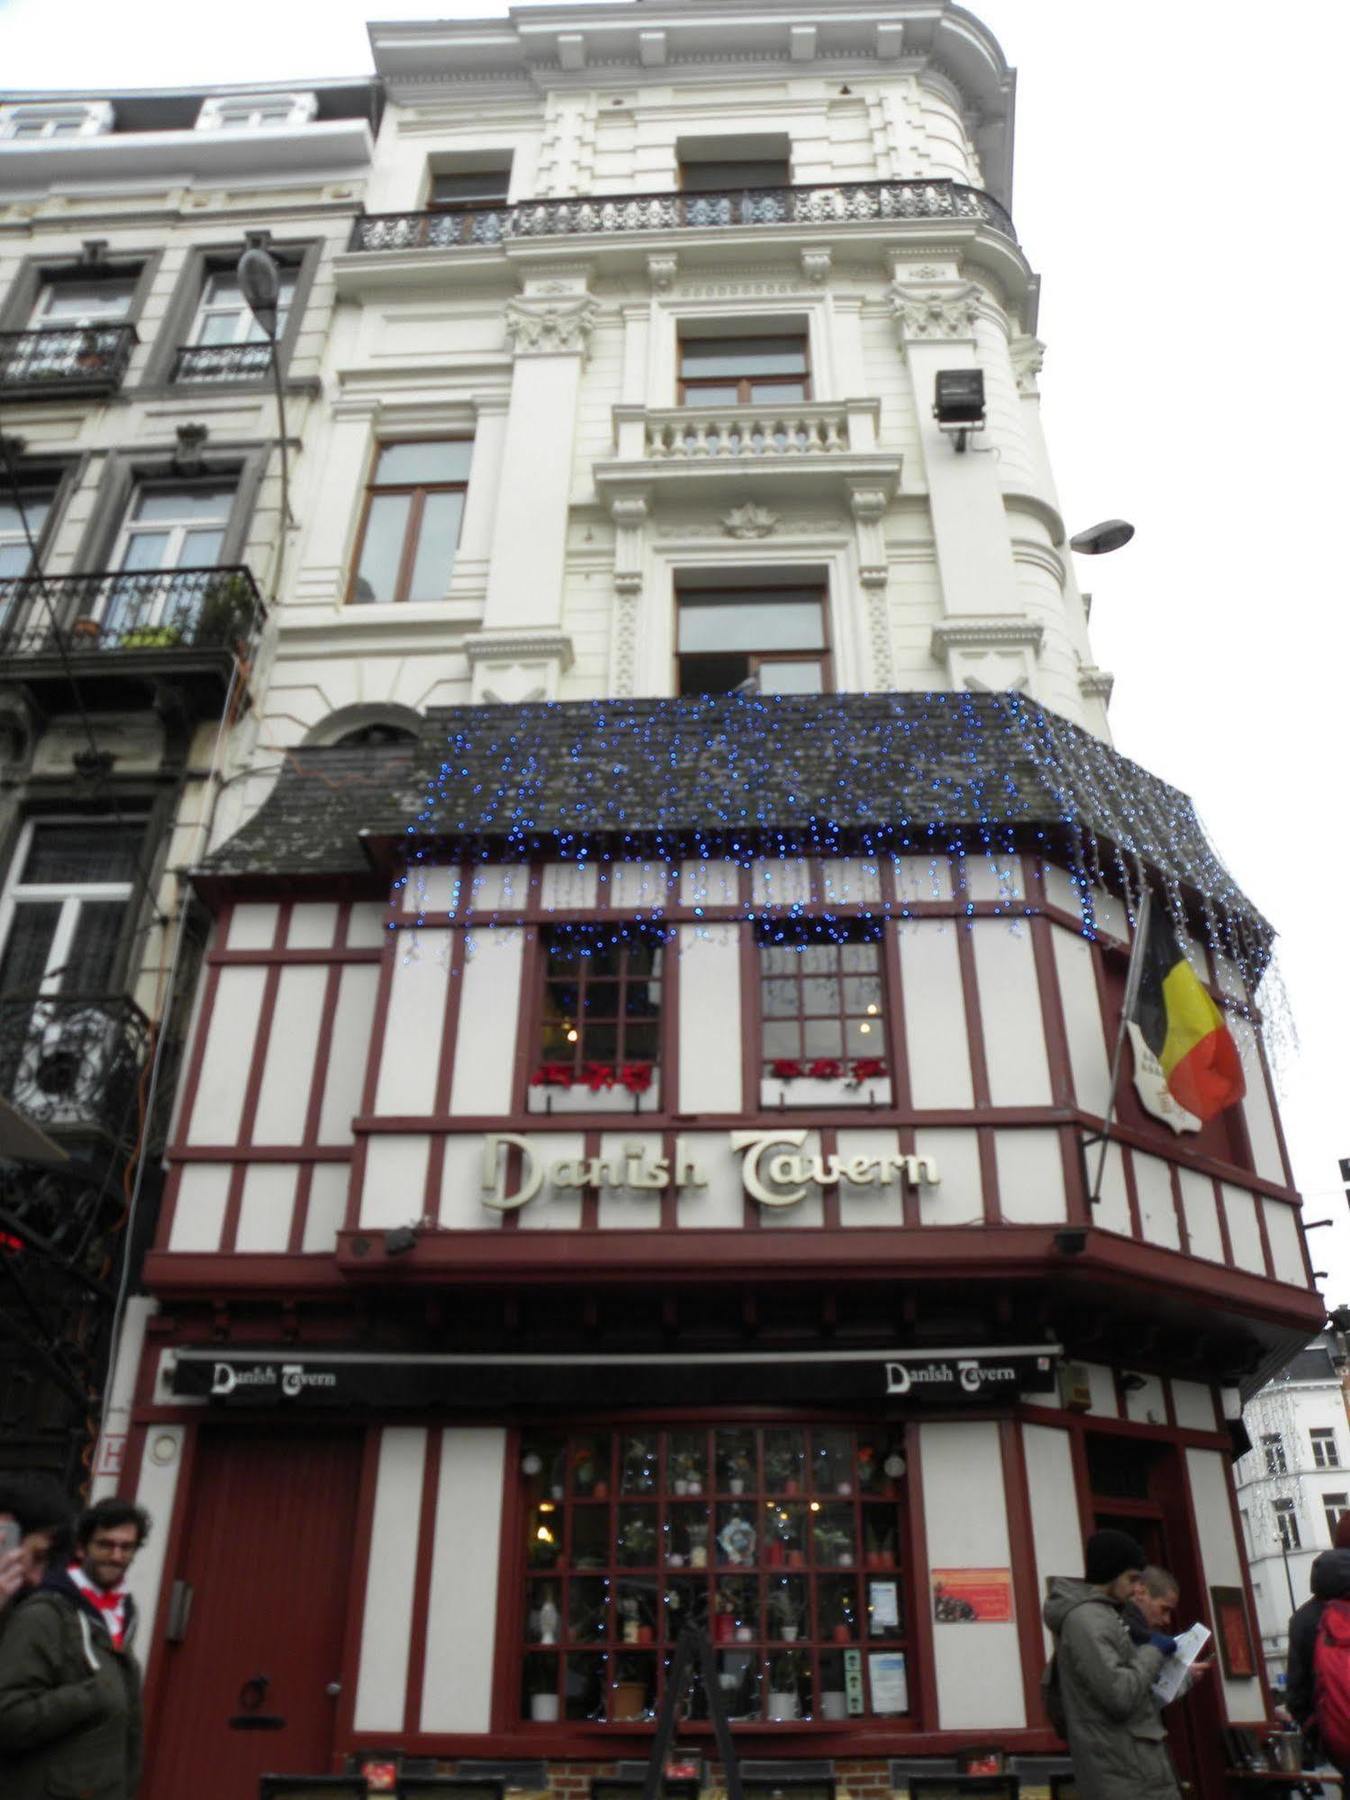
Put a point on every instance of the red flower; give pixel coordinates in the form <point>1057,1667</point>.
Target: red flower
<point>867,1068</point>
<point>552,1074</point>
<point>636,1077</point>
<point>598,1075</point>
<point>826,1068</point>
<point>785,1068</point>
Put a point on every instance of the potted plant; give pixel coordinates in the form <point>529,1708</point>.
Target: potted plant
<point>86,631</point>
<point>151,637</point>
<point>783,1464</point>
<point>784,1614</point>
<point>784,1677</point>
<point>738,1471</point>
<point>630,1690</point>
<point>834,1544</point>
<point>226,613</point>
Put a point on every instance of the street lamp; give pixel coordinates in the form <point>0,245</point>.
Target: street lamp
<point>259,280</point>
<point>1100,540</point>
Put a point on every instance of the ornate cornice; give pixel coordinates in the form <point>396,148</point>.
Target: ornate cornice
<point>551,327</point>
<point>935,314</point>
<point>987,631</point>
<point>1095,684</point>
<point>518,646</point>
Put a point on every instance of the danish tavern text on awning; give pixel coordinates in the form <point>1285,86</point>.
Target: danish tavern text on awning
<point>775,1170</point>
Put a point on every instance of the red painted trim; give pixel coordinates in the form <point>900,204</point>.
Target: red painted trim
<point>323,1048</point>
<point>176,1528</point>
<point>1017,1502</point>
<point>508,1642</point>
<point>168,1206</point>
<point>1259,1207</point>
<point>893,1012</point>
<point>226,959</point>
<point>379,1025</point>
<point>1131,1193</point>
<point>1183,1230</point>
<point>193,1079</point>
<point>921,1625</point>
<point>1082,1481</point>
<point>445,1069</point>
<point>1221,1214</point>
<point>359,1586</point>
<point>426,1550</point>
<point>970,994</point>
<point>251,1153</point>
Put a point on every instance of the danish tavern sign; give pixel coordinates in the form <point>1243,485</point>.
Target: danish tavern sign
<point>774,1170</point>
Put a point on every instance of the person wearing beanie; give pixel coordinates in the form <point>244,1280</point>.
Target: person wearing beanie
<point>1099,1683</point>
<point>1329,1580</point>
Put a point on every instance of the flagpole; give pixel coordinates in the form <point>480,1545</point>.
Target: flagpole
<point>1133,975</point>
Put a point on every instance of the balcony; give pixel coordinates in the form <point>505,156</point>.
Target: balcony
<point>222,362</point>
<point>835,203</point>
<point>63,362</point>
<point>71,1064</point>
<point>129,631</point>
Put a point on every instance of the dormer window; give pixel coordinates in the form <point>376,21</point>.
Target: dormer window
<point>256,112</point>
<point>40,121</point>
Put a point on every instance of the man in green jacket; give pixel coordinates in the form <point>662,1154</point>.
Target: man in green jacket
<point>70,1689</point>
<point>1116,1738</point>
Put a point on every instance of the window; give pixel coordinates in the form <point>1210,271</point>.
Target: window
<point>414,506</point>
<point>36,498</point>
<point>82,301</point>
<point>61,917</point>
<point>711,165</point>
<point>456,191</point>
<point>1286,1524</point>
<point>602,1006</point>
<point>820,1001</point>
<point>255,112</point>
<point>733,371</point>
<point>169,542</point>
<point>1325,1453</point>
<point>36,123</point>
<point>785,1544</point>
<point>768,639</point>
<point>1334,1505</point>
<point>1273,1446</point>
<point>226,341</point>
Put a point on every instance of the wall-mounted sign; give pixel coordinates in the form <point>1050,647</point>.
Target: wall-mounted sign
<point>947,1377</point>
<point>774,1169</point>
<point>972,1596</point>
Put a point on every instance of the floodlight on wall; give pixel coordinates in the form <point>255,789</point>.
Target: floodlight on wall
<point>1100,540</point>
<point>958,402</point>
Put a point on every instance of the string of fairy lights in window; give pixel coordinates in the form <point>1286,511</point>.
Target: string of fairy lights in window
<point>948,777</point>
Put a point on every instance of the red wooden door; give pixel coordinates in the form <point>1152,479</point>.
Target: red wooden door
<point>267,1553</point>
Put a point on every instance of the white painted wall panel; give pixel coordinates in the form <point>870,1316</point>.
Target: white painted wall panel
<point>714,882</point>
<point>1088,1057</point>
<point>462,1620</point>
<point>554,1209</point>
<point>233,1031</point>
<point>499,887</point>
<point>1244,1233</point>
<point>386,1628</point>
<point>411,1054</point>
<point>1193,1404</point>
<point>1256,1106</point>
<point>919,878</point>
<point>313,923</point>
<point>1030,1177</point>
<point>1202,1215</point>
<point>782,881</point>
<point>1056,1533</point>
<point>349,1052</point>
<point>1102,1383</point>
<point>874,1206</point>
<point>1208,1473</point>
<point>433,888</point>
<point>367,925</point>
<point>995,877</point>
<point>958,1198</point>
<point>639,886</point>
<point>849,881</point>
<point>327,1207</point>
<point>267,1206</point>
<point>935,1015</point>
<point>624,1208</point>
<point>1286,1242</point>
<point>396,1178</point>
<point>1157,1210</point>
<point>156,1491</point>
<point>959,1460</point>
<point>569,886</point>
<point>461,1205</point>
<point>289,1067</point>
<point>1112,1211</point>
<point>485,1043</point>
<point>1010,1013</point>
<point>253,926</point>
<point>808,1211</point>
<point>721,1204</point>
<point>1146,1405</point>
<point>710,1019</point>
<point>199,1211</point>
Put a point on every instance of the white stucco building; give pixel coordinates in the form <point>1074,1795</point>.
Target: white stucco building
<point>1293,1484</point>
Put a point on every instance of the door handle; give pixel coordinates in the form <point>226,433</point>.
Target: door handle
<point>333,1689</point>
<point>180,1611</point>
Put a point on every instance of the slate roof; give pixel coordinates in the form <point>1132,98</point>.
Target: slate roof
<point>824,772</point>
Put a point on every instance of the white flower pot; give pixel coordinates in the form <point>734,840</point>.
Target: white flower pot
<point>782,1706</point>
<point>833,1704</point>
<point>544,1708</point>
<point>790,1634</point>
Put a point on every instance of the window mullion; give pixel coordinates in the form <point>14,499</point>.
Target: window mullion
<point>412,532</point>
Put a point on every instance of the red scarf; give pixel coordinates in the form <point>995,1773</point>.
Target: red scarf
<point>111,1602</point>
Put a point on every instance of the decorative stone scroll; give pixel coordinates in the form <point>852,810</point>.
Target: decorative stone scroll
<point>551,327</point>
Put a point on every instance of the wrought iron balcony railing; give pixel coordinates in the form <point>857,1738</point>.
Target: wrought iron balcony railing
<point>835,203</point>
<point>65,359</point>
<point>222,362</point>
<point>72,1063</point>
<point>126,610</point>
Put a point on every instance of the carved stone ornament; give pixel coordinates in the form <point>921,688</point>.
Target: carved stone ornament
<point>1028,358</point>
<point>816,265</point>
<point>661,272</point>
<point>552,327</point>
<point>749,521</point>
<point>928,316</point>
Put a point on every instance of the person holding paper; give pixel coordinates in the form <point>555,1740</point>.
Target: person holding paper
<point>1115,1735</point>
<point>1151,1608</point>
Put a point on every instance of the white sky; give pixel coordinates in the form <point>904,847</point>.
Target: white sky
<point>1179,187</point>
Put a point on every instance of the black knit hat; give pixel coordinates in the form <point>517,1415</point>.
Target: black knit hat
<point>1108,1554</point>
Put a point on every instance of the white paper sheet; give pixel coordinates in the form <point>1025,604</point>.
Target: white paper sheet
<point>1175,1670</point>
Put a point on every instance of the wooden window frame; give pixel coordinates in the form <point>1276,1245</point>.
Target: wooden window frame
<point>730,164</point>
<point>810,934</point>
<point>693,385</point>
<point>754,658</point>
<point>435,205</point>
<point>554,1492</point>
<point>418,490</point>
<point>1286,1524</point>
<point>1334,1509</point>
<point>1273,1453</point>
<point>577,1055</point>
<point>1323,1439</point>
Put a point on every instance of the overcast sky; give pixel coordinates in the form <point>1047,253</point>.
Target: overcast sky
<point>1179,188</point>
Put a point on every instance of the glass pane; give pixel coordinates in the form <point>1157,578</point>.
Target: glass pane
<point>93,949</point>
<point>736,1535</point>
<point>407,465</point>
<point>639,1464</point>
<point>820,994</point>
<point>858,956</point>
<point>743,356</point>
<point>436,545</point>
<point>781,1041</point>
<point>767,622</point>
<point>590,1537</point>
<point>787,1616</point>
<point>24,961</point>
<point>837,1608</point>
<point>712,395</point>
<point>201,549</point>
<point>14,558</point>
<point>636,1610</point>
<point>382,549</point>
<point>219,328</point>
<point>146,550</point>
<point>76,300</point>
<point>686,1544</point>
<point>543,1620</point>
<point>822,1037</point>
<point>583,1688</point>
<point>831,1462</point>
<point>819,959</point>
<point>784,1533</point>
<point>637,1537</point>
<point>156,504</point>
<point>589,1458</point>
<point>776,392</point>
<point>784,1461</point>
<point>863,1037</point>
<point>478,184</point>
<point>791,678</point>
<point>81,854</point>
<point>588,1610</point>
<point>686,1462</point>
<point>223,290</point>
<point>735,1455</point>
<point>36,505</point>
<point>780,999</point>
<point>834,1538</point>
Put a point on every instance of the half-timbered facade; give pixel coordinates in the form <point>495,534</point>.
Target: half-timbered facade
<point>640,1158</point>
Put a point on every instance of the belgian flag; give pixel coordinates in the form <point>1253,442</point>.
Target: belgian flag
<point>1184,1028</point>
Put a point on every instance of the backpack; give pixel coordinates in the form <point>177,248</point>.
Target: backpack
<point>1331,1681</point>
<point>1052,1699</point>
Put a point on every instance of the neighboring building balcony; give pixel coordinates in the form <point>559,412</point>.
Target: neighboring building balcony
<point>180,628</point>
<point>64,361</point>
<point>222,362</point>
<point>71,1064</point>
<point>765,447</point>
